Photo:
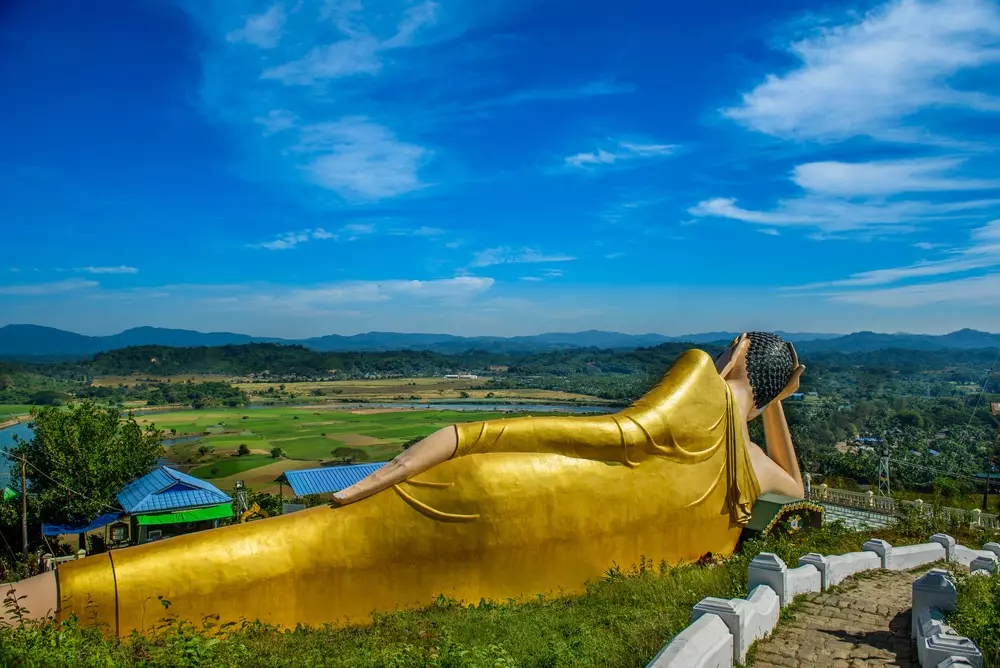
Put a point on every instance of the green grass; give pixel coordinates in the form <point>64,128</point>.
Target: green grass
<point>299,432</point>
<point>12,410</point>
<point>231,466</point>
<point>621,621</point>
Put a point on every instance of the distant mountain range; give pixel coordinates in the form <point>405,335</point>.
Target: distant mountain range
<point>33,341</point>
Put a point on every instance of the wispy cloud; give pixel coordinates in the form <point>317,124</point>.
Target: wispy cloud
<point>982,252</point>
<point>290,240</point>
<point>977,289</point>
<point>422,231</point>
<point>360,53</point>
<point>505,255</point>
<point>261,30</point>
<point>120,269</point>
<point>833,215</point>
<point>881,178</point>
<point>545,275</point>
<point>863,196</point>
<point>53,288</point>
<point>620,152</point>
<point>865,77</point>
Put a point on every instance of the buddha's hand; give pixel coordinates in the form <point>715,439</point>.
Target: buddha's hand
<point>793,380</point>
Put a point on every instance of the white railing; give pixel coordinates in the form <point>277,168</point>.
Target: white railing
<point>722,630</point>
<point>49,562</point>
<point>882,505</point>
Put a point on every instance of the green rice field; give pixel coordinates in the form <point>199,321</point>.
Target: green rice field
<point>8,411</point>
<point>307,437</point>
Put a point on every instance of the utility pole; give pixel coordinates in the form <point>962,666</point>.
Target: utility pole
<point>24,510</point>
<point>994,413</point>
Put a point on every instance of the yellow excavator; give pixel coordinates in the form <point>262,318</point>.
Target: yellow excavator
<point>253,513</point>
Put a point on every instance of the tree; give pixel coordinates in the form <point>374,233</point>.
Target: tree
<point>243,450</point>
<point>277,452</point>
<point>80,458</point>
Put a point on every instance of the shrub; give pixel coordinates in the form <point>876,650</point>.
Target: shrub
<point>243,450</point>
<point>978,614</point>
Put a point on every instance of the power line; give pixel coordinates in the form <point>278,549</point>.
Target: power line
<point>982,389</point>
<point>67,488</point>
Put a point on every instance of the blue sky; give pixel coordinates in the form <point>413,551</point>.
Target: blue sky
<point>500,167</point>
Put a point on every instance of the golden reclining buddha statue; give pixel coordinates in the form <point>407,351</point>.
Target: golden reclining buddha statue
<point>493,510</point>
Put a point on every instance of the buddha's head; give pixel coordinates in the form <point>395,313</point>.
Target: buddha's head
<point>759,364</point>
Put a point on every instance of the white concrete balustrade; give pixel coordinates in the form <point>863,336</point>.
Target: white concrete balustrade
<point>723,630</point>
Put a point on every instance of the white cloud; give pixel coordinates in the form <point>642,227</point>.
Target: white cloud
<point>277,120</point>
<point>982,253</point>
<point>842,215</point>
<point>886,177</point>
<point>261,30</point>
<point>40,289</point>
<point>359,159</point>
<point>290,240</point>
<point>422,231</point>
<point>926,245</point>
<point>977,289</point>
<point>121,269</point>
<point>770,231</point>
<point>504,255</point>
<point>358,54</point>
<point>622,152</point>
<point>866,77</point>
<point>360,292</point>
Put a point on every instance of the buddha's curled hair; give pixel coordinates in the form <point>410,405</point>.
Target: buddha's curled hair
<point>769,366</point>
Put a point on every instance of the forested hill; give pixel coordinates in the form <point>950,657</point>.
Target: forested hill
<point>35,342</point>
<point>283,360</point>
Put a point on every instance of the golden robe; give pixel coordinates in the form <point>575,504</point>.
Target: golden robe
<point>526,506</point>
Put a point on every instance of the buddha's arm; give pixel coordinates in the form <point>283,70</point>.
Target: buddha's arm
<point>436,448</point>
<point>602,437</point>
<point>36,597</point>
<point>779,444</point>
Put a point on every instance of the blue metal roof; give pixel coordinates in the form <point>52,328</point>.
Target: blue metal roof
<point>165,489</point>
<point>329,478</point>
<point>60,529</point>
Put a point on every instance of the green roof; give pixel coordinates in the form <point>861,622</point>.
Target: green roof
<point>218,512</point>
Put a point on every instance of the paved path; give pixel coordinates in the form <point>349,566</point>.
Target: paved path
<point>863,622</point>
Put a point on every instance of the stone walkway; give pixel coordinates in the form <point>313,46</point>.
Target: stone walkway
<point>864,621</point>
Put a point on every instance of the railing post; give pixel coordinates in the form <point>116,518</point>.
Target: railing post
<point>871,498</point>
<point>976,516</point>
<point>823,489</point>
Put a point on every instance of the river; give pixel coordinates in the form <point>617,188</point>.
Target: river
<point>7,441</point>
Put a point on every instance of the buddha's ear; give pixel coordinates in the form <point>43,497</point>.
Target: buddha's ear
<point>737,350</point>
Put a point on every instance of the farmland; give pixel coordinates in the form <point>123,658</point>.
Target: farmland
<point>409,389</point>
<point>208,441</point>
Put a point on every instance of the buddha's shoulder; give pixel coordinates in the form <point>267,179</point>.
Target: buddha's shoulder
<point>695,371</point>
<point>695,361</point>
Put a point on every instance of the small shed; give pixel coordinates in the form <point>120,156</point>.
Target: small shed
<point>166,502</point>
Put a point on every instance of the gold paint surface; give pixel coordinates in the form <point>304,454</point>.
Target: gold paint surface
<point>87,589</point>
<point>527,506</point>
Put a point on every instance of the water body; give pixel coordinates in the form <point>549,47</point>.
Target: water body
<point>21,430</point>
